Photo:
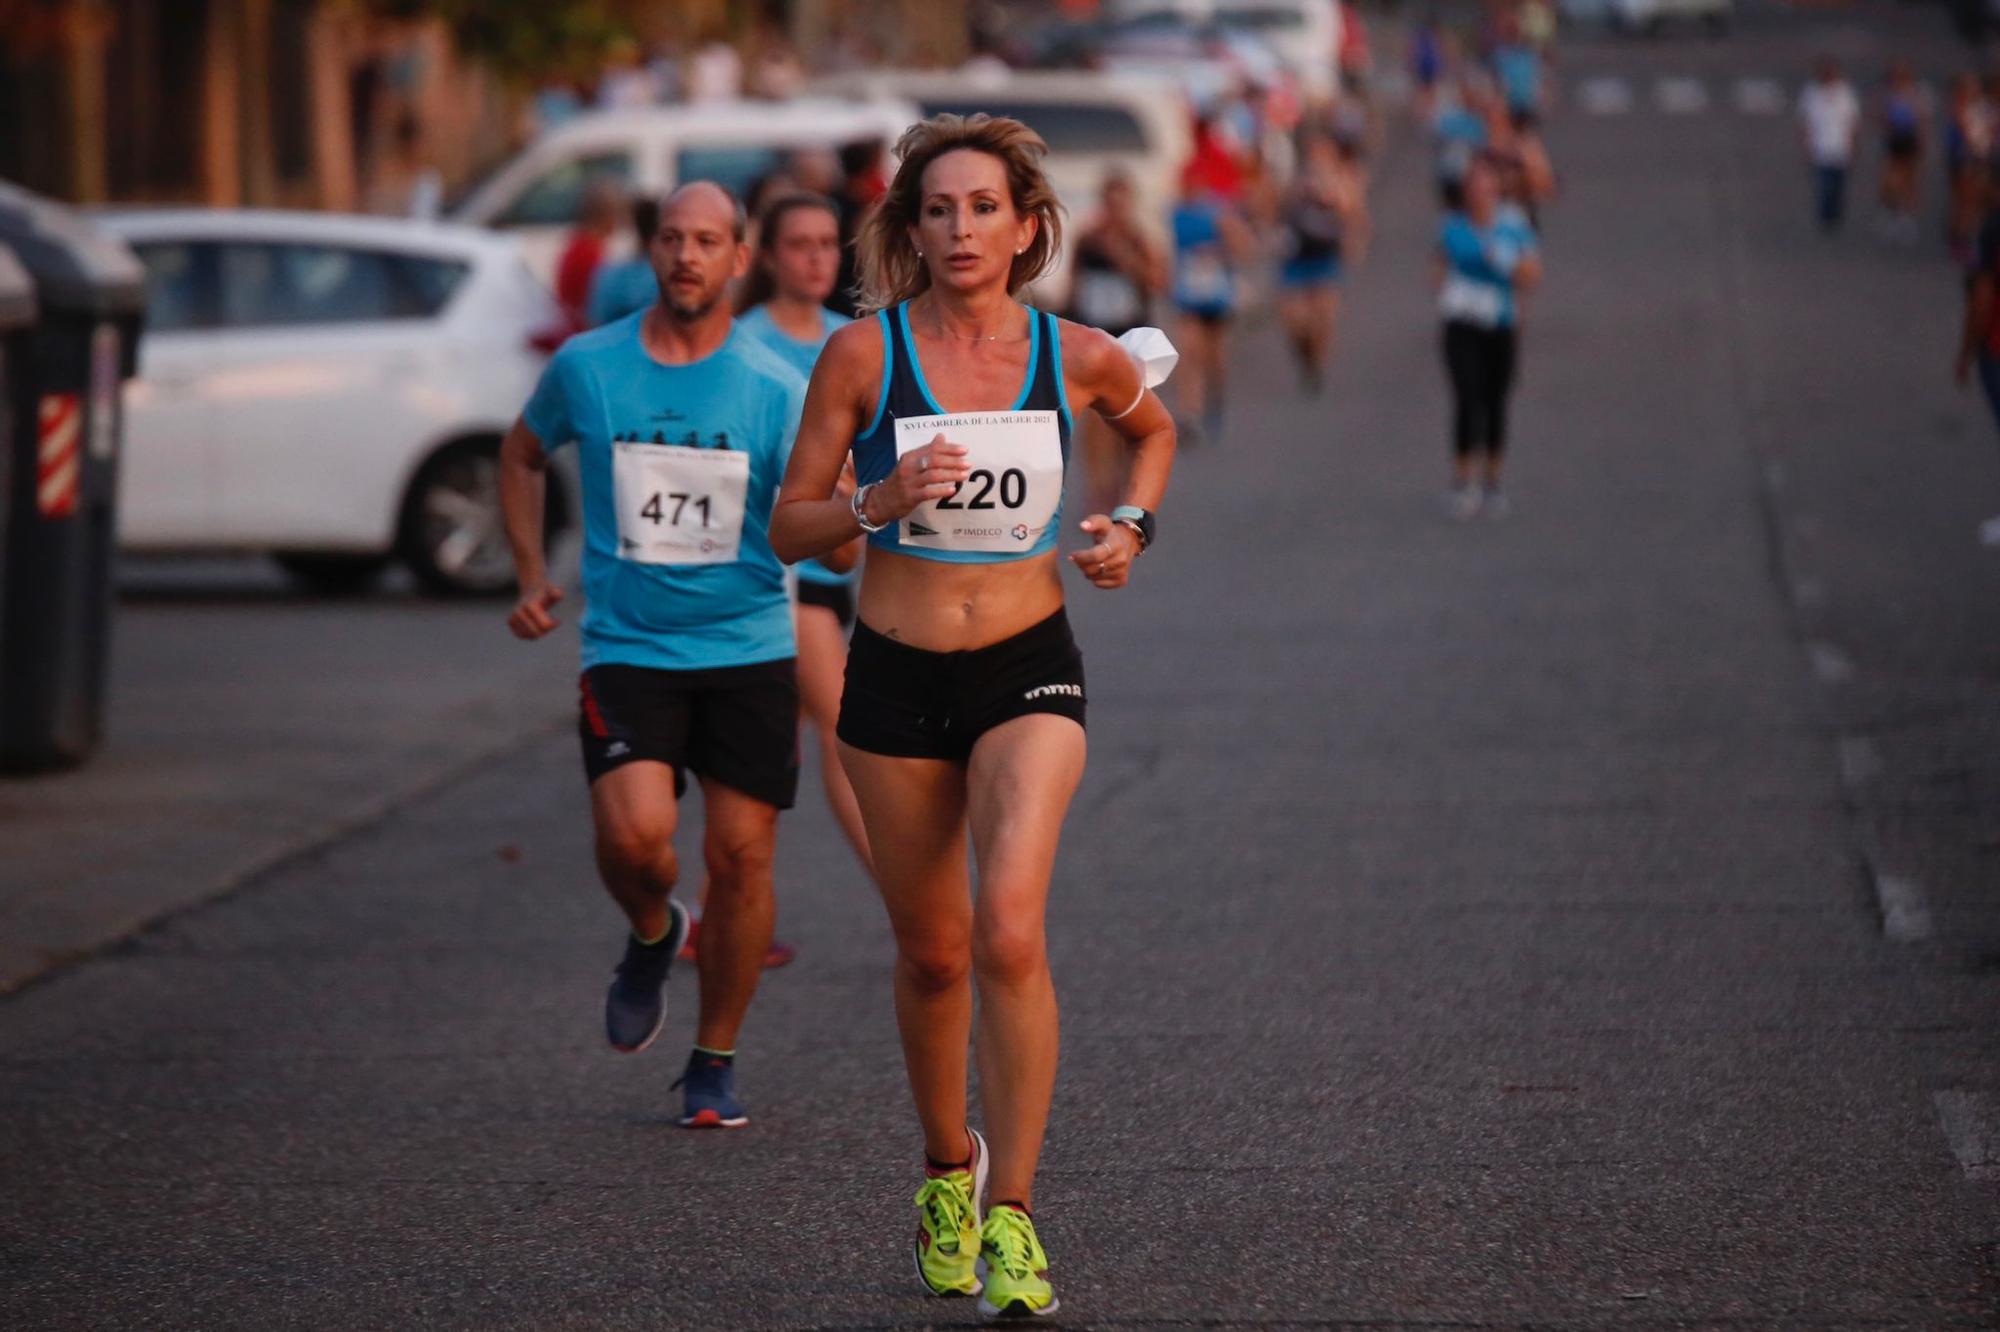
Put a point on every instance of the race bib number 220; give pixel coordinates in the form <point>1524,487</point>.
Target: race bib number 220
<point>678,505</point>
<point>1014,490</point>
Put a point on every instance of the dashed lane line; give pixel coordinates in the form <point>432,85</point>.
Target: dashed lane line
<point>1829,663</point>
<point>1906,916</point>
<point>1860,761</point>
<point>1680,96</point>
<point>1968,1123</point>
<point>1760,97</point>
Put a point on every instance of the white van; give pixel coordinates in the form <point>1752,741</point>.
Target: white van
<point>649,150</point>
<point>1091,122</point>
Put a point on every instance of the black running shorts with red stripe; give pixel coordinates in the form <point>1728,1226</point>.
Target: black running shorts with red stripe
<point>738,725</point>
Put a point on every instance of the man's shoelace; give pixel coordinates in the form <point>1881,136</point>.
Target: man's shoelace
<point>947,1205</point>
<point>1011,1237</point>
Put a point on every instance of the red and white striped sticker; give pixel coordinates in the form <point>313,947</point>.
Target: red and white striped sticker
<point>59,455</point>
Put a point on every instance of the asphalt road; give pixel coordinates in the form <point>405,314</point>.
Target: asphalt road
<point>1460,925</point>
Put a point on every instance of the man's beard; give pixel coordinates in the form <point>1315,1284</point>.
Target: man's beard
<point>687,314</point>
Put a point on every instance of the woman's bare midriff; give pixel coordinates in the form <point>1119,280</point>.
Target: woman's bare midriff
<point>942,607</point>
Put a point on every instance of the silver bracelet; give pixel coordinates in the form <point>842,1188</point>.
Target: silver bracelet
<point>859,503</point>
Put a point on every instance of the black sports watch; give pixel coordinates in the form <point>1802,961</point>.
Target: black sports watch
<point>1141,521</point>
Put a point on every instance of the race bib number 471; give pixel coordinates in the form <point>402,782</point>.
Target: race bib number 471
<point>678,505</point>
<point>1014,490</point>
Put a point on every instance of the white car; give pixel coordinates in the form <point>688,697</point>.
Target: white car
<point>331,390</point>
<point>1305,34</point>
<point>537,194</point>
<point>1091,122</point>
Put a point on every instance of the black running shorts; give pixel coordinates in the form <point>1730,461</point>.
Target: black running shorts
<point>908,703</point>
<point>738,725</point>
<point>836,597</point>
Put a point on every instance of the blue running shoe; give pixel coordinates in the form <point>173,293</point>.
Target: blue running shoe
<point>710,1083</point>
<point>634,1007</point>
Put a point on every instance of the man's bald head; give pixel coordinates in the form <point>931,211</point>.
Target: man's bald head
<point>698,250</point>
<point>709,199</point>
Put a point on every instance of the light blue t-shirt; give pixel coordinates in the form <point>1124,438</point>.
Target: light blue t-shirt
<point>619,289</point>
<point>1480,263</point>
<point>1519,71</point>
<point>1460,136</point>
<point>757,322</point>
<point>604,388</point>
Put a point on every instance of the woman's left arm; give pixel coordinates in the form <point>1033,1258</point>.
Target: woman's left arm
<point>1100,376</point>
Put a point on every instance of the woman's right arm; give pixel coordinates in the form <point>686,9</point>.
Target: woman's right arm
<point>811,517</point>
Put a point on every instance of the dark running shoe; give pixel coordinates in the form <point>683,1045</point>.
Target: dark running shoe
<point>635,1007</point>
<point>709,1085</point>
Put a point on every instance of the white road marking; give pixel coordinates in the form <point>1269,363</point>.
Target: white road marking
<point>1680,96</point>
<point>1829,663</point>
<point>1605,96</point>
<point>1906,916</point>
<point>1969,1128</point>
<point>1760,97</point>
<point>1860,761</point>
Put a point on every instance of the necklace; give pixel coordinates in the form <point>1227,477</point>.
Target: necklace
<point>940,331</point>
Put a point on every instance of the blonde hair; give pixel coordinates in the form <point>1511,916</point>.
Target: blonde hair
<point>889,269</point>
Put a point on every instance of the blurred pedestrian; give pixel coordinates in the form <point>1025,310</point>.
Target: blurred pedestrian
<point>1968,143</point>
<point>1829,116</point>
<point>576,268</point>
<point>409,183</point>
<point>1904,118</point>
<point>1485,263</point>
<point>1517,68</point>
<point>797,262</point>
<point>715,70</point>
<point>1427,66</point>
<point>1210,239</point>
<point>1323,222</point>
<point>1460,131</point>
<point>1979,335</point>
<point>965,727</point>
<point>623,286</point>
<point>862,182</point>
<point>1119,271</point>
<point>683,427</point>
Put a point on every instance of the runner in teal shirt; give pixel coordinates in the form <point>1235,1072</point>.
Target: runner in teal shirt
<point>601,390</point>
<point>757,322</point>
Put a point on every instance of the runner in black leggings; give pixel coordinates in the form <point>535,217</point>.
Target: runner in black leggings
<point>1486,257</point>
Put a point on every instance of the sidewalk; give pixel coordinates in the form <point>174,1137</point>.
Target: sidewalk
<point>247,725</point>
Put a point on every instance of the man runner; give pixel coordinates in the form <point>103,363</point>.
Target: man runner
<point>684,424</point>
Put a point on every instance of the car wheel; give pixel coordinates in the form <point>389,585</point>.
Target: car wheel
<point>452,534</point>
<point>332,575</point>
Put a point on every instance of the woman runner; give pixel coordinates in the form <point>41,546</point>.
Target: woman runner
<point>1324,219</point>
<point>963,713</point>
<point>1485,260</point>
<point>798,258</point>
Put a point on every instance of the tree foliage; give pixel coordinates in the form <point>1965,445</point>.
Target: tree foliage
<point>523,40</point>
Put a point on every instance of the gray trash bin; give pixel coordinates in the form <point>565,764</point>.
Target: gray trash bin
<point>17,319</point>
<point>64,397</point>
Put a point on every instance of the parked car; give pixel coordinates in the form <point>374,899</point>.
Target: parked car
<point>331,390</point>
<point>537,194</point>
<point>1092,122</point>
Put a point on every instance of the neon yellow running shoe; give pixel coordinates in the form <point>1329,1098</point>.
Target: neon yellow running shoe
<point>1017,1271</point>
<point>947,1245</point>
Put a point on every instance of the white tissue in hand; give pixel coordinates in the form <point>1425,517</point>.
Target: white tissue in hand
<point>1151,352</point>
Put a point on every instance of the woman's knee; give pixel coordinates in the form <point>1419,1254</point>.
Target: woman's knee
<point>935,962</point>
<point>1009,952</point>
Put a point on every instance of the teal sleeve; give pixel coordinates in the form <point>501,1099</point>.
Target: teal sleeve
<point>548,412</point>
